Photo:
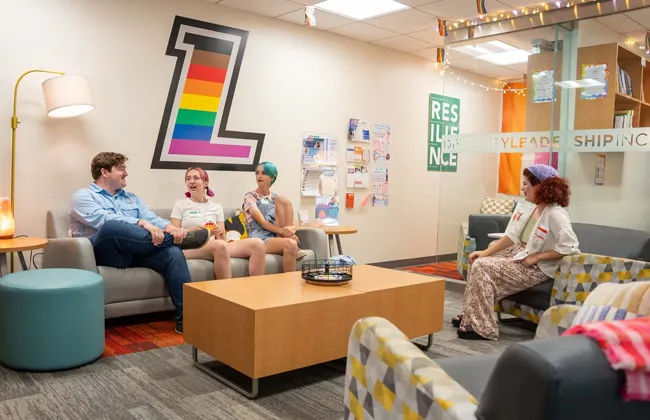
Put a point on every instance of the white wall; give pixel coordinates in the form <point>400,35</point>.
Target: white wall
<point>292,79</point>
<point>624,200</point>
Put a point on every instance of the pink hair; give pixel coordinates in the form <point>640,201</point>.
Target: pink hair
<point>204,176</point>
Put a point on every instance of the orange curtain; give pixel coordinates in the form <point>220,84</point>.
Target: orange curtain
<point>514,120</point>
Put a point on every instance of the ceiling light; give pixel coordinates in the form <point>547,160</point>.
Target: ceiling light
<point>496,52</point>
<point>583,83</point>
<point>506,58</point>
<point>361,9</point>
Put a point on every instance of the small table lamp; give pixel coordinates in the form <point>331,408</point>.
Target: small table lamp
<point>7,226</point>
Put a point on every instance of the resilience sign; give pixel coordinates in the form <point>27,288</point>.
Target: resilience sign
<point>444,119</point>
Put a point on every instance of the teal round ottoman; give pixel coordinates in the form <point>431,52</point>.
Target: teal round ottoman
<point>51,319</point>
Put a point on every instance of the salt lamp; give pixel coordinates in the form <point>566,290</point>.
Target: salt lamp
<point>7,225</point>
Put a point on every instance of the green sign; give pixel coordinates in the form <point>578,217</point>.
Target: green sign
<point>444,118</point>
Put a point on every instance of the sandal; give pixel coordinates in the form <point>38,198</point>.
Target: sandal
<point>469,334</point>
<point>455,321</point>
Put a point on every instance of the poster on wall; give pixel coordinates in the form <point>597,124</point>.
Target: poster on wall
<point>600,169</point>
<point>317,150</point>
<point>381,143</point>
<point>543,86</point>
<point>597,75</point>
<point>194,129</point>
<point>327,210</point>
<point>444,119</point>
<point>358,130</point>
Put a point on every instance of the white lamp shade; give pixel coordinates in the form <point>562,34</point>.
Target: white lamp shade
<point>67,96</point>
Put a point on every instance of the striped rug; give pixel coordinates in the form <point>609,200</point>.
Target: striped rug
<point>443,269</point>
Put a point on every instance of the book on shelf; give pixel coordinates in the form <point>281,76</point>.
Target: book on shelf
<point>623,119</point>
<point>624,82</point>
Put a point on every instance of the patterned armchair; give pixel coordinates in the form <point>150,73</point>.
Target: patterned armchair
<point>577,276</point>
<point>388,377</point>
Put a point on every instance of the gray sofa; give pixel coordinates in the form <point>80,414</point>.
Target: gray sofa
<point>137,291</point>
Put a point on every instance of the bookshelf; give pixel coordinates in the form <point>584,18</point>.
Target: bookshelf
<point>627,82</point>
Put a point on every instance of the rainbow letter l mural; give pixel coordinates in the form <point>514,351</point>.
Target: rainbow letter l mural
<point>193,131</point>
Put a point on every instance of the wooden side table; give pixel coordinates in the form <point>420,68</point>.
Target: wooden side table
<point>333,232</point>
<point>18,245</point>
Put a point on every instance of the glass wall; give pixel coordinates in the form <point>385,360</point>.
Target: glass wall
<point>571,96</point>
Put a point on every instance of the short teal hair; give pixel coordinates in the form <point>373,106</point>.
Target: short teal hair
<point>271,170</point>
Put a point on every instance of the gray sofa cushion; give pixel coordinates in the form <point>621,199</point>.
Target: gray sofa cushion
<point>536,297</point>
<point>613,241</point>
<point>471,372</point>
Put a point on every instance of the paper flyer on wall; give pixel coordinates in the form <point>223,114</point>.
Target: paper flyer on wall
<point>329,182</point>
<point>379,200</point>
<point>327,210</point>
<point>597,75</point>
<point>317,150</point>
<point>543,86</point>
<point>380,180</point>
<point>358,130</point>
<point>310,182</point>
<point>381,143</point>
<point>358,176</point>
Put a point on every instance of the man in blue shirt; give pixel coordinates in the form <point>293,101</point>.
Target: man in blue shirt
<point>126,233</point>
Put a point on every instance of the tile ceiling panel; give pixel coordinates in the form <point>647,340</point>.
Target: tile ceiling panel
<point>405,21</point>
<point>324,20</point>
<point>620,23</point>
<point>270,8</point>
<point>307,2</point>
<point>431,36</point>
<point>362,32</point>
<point>638,36</point>
<point>641,16</point>
<point>402,43</point>
<point>461,9</point>
<point>519,3</point>
<point>416,3</point>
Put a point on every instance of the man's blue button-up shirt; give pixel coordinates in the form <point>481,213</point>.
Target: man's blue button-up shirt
<point>93,206</point>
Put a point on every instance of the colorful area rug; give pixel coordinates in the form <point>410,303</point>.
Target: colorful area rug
<point>443,269</point>
<point>126,339</point>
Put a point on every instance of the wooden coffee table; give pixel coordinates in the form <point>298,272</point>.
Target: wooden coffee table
<point>265,325</point>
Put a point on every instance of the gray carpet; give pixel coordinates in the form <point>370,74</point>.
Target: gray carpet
<point>163,384</point>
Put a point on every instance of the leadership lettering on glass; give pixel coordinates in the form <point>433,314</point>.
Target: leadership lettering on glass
<point>575,141</point>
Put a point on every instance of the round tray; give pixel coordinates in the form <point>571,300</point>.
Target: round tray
<point>327,282</point>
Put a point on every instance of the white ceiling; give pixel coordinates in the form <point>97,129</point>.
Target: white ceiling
<point>414,30</point>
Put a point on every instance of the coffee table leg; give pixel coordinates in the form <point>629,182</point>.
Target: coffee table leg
<point>338,244</point>
<point>428,345</point>
<point>249,394</point>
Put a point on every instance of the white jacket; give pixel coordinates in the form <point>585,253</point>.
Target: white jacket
<point>552,232</point>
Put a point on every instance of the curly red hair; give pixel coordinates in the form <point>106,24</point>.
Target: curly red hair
<point>553,190</point>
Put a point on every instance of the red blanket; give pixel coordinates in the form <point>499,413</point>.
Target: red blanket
<point>627,347</point>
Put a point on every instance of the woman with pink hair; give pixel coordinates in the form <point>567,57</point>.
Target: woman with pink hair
<point>199,211</point>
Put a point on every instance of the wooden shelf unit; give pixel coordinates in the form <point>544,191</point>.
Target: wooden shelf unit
<point>599,113</point>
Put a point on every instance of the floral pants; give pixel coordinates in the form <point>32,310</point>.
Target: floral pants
<point>491,279</point>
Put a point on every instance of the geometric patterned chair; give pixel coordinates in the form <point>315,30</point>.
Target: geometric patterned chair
<point>577,276</point>
<point>388,377</point>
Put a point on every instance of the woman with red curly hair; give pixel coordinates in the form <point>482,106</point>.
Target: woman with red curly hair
<point>538,236</point>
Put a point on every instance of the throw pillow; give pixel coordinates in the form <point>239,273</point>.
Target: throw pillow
<point>497,206</point>
<point>237,223</point>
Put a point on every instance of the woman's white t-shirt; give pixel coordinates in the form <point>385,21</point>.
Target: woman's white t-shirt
<point>192,214</point>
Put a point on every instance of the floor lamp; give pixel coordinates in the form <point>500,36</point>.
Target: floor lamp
<point>65,96</point>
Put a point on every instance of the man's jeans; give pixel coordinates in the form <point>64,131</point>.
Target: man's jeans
<point>124,245</point>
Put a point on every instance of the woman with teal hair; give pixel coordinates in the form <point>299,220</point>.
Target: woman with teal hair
<point>269,216</point>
